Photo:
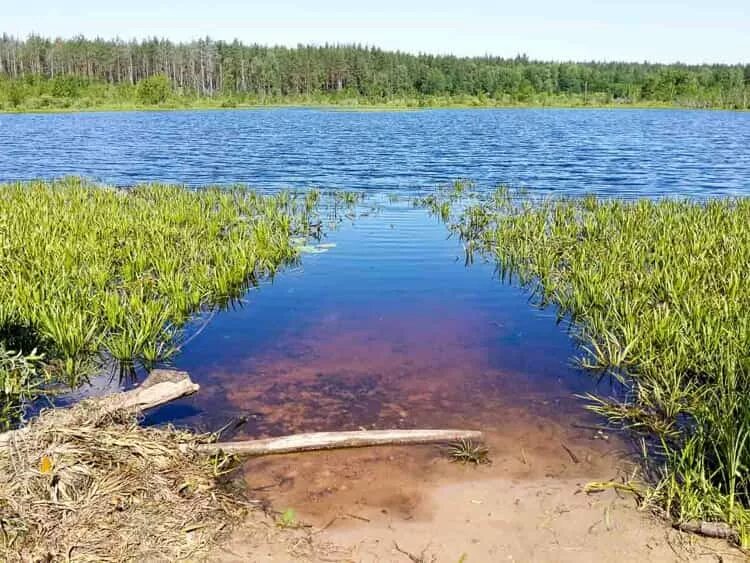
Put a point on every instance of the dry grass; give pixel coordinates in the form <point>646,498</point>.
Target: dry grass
<point>84,486</point>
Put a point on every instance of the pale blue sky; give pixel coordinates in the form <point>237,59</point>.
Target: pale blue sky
<point>659,30</point>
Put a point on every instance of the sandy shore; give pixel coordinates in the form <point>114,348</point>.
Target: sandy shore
<point>412,503</point>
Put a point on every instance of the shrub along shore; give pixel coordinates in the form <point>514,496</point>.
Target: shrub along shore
<point>658,295</point>
<point>94,277</point>
<point>344,102</point>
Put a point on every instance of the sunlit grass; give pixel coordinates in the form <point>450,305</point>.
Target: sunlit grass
<point>21,377</point>
<point>658,293</point>
<point>94,276</point>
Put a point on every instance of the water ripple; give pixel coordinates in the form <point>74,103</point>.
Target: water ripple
<point>613,152</point>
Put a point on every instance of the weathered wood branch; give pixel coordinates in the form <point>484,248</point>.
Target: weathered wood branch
<point>161,386</point>
<point>337,440</point>
<point>709,529</point>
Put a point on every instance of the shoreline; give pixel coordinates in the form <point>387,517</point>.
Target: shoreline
<point>355,107</point>
<point>380,504</point>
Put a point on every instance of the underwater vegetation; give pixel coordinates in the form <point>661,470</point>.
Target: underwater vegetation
<point>466,451</point>
<point>94,277</point>
<point>657,294</point>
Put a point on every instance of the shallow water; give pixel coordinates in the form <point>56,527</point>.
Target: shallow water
<point>617,152</point>
<point>389,328</point>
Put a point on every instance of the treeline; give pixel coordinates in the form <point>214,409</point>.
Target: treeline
<point>79,71</point>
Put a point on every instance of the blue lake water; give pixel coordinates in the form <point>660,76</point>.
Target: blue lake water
<point>616,152</point>
<point>389,327</point>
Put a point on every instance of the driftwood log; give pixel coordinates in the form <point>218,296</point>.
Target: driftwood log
<point>720,530</point>
<point>161,386</point>
<point>337,440</point>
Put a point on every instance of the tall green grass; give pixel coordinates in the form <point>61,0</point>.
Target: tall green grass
<point>659,296</point>
<point>93,276</point>
<point>21,378</point>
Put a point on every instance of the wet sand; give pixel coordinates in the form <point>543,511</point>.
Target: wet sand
<point>379,505</point>
<point>387,372</point>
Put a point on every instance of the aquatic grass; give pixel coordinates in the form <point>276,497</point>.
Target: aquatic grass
<point>91,274</point>
<point>349,197</point>
<point>657,294</point>
<point>441,203</point>
<point>467,451</point>
<point>21,377</point>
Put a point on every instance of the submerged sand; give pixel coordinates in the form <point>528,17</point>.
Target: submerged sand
<point>411,503</point>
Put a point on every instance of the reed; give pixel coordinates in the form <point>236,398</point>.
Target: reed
<point>658,295</point>
<point>91,275</point>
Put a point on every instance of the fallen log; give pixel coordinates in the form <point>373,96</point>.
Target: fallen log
<point>336,440</point>
<point>720,530</point>
<point>161,386</point>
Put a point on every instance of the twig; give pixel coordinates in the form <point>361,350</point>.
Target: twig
<point>573,456</point>
<point>414,558</point>
<point>590,427</point>
<point>197,333</point>
<point>709,529</point>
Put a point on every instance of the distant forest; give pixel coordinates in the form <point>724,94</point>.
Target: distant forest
<point>39,73</point>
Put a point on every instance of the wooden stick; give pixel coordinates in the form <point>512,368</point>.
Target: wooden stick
<point>336,440</point>
<point>161,386</point>
<point>709,529</point>
<point>573,456</point>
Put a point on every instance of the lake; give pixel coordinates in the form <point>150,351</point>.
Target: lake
<point>616,152</point>
<point>388,328</point>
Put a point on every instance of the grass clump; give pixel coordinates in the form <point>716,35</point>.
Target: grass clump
<point>442,203</point>
<point>79,485</point>
<point>467,451</point>
<point>348,198</point>
<point>659,296</point>
<point>93,276</point>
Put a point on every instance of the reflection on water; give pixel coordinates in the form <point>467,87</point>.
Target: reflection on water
<point>387,329</point>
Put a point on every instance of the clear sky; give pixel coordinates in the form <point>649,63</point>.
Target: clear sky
<point>691,31</point>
